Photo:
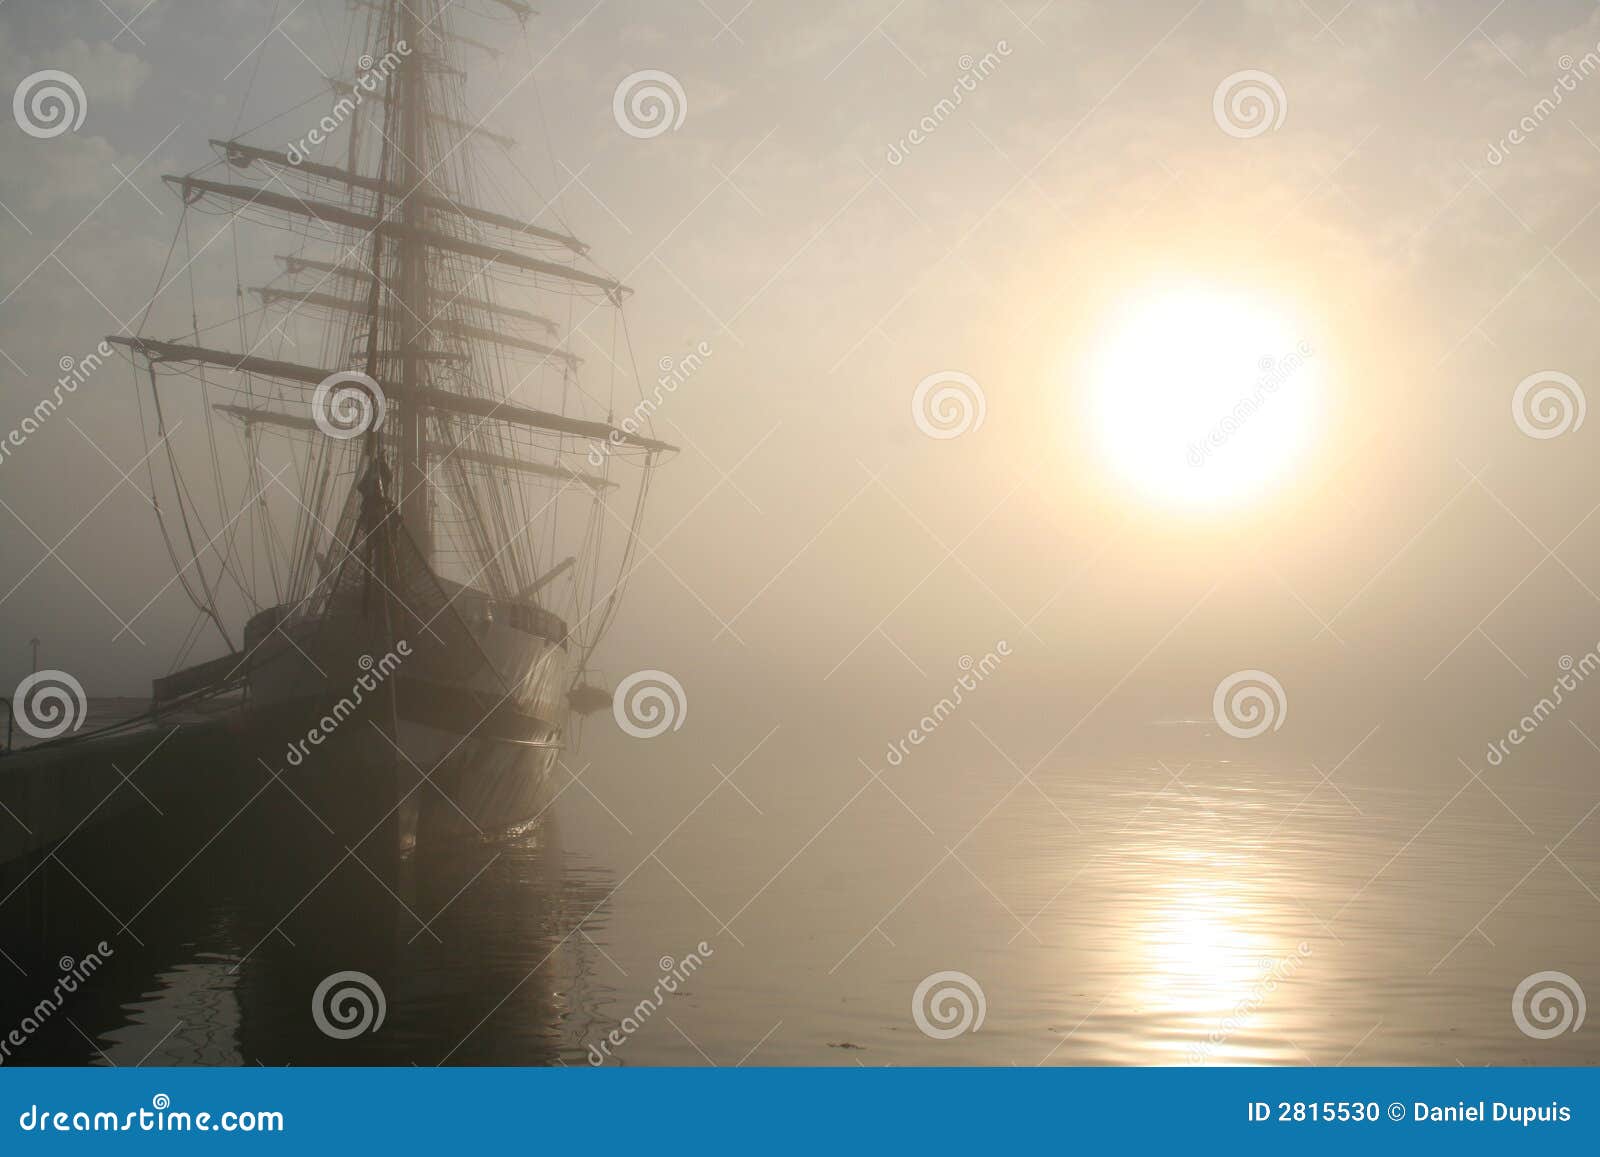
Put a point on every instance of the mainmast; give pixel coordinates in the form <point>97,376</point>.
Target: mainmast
<point>426,292</point>
<point>412,290</point>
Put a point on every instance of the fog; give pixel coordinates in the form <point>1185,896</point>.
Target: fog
<point>815,561</point>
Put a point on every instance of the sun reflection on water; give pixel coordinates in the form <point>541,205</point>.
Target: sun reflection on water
<point>1206,969</point>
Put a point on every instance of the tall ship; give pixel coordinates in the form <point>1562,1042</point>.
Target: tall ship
<point>413,509</point>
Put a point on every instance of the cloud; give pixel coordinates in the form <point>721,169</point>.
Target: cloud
<point>107,73</point>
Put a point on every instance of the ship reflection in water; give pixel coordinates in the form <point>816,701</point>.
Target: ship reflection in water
<point>1228,918</point>
<point>492,974</point>
<point>277,942</point>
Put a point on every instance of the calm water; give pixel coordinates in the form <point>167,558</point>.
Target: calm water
<point>1148,912</point>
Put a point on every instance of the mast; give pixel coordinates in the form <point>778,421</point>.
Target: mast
<point>411,279</point>
<point>193,188</point>
<point>156,352</point>
<point>415,504</point>
<point>456,328</point>
<point>297,264</point>
<point>458,450</point>
<point>241,155</point>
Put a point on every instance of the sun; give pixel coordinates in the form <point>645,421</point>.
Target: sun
<point>1204,396</point>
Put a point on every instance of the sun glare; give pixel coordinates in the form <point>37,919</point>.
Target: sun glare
<point>1204,397</point>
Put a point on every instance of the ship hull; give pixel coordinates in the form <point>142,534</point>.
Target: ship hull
<point>475,788</point>
<point>397,746</point>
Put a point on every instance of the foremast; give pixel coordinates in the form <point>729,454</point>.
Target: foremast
<point>412,289</point>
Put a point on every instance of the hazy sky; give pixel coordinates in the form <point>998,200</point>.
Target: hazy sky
<point>1423,562</point>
